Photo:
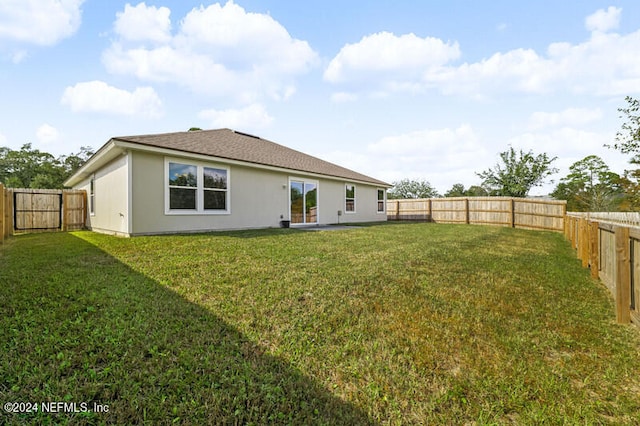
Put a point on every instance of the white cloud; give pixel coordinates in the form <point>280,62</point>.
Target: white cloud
<point>18,56</point>
<point>604,20</point>
<point>97,96</point>
<point>395,57</point>
<point>252,117</point>
<point>569,117</point>
<point>425,143</point>
<point>142,23</point>
<point>441,156</point>
<point>340,97</point>
<point>521,70</point>
<point>562,142</point>
<point>47,134</point>
<point>218,50</point>
<point>40,22</point>
<point>606,64</point>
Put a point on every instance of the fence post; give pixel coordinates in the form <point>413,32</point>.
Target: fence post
<point>594,249</point>
<point>583,242</point>
<point>574,233</point>
<point>623,275</point>
<point>512,215</point>
<point>397,209</point>
<point>430,204</point>
<point>63,210</point>
<point>466,211</point>
<point>8,212</point>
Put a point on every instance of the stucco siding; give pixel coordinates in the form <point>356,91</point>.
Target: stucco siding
<point>110,211</point>
<point>333,199</point>
<point>256,199</point>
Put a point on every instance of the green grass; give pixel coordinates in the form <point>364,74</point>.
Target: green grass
<point>390,324</point>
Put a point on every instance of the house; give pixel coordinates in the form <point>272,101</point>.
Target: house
<point>215,180</point>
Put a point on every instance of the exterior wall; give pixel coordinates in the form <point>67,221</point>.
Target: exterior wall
<point>333,199</point>
<point>110,192</point>
<point>257,198</point>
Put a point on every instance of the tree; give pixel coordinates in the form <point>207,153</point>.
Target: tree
<point>74,161</point>
<point>628,142</point>
<point>477,191</point>
<point>412,189</point>
<point>458,190</point>
<point>518,174</point>
<point>32,168</point>
<point>628,138</point>
<point>590,186</point>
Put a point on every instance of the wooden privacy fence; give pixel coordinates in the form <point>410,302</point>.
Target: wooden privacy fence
<point>37,210</point>
<point>525,213</point>
<point>6,226</point>
<point>612,252</point>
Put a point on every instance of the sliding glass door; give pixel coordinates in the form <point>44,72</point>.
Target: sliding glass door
<point>304,201</point>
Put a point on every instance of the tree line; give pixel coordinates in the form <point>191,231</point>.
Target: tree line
<point>32,168</point>
<point>589,186</point>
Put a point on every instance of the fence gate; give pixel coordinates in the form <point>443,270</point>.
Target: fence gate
<point>37,210</point>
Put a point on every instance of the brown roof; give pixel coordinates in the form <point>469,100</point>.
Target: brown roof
<point>233,145</point>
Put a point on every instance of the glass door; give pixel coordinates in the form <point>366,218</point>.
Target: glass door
<point>304,202</point>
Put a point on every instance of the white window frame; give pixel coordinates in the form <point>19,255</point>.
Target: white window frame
<point>384,201</point>
<point>200,166</point>
<point>304,181</point>
<point>92,195</point>
<point>355,197</point>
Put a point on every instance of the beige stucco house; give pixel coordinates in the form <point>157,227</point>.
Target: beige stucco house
<point>215,180</point>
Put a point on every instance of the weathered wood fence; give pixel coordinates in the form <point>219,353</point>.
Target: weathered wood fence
<point>5,214</point>
<point>37,210</point>
<point>612,252</point>
<point>525,213</point>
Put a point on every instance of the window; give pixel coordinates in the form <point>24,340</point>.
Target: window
<point>381,200</point>
<point>183,185</point>
<point>196,188</point>
<point>92,196</point>
<point>215,188</point>
<point>303,201</point>
<point>350,198</point>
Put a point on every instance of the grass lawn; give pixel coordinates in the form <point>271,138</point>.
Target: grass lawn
<point>388,324</point>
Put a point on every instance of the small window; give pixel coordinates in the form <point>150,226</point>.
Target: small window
<point>350,198</point>
<point>215,189</point>
<point>92,196</point>
<point>183,185</point>
<point>381,200</point>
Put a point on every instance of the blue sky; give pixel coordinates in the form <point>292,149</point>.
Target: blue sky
<point>395,89</point>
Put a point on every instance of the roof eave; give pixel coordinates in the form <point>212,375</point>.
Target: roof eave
<point>107,153</point>
<point>124,144</point>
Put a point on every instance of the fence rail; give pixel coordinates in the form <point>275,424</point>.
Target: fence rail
<point>29,210</point>
<point>524,213</point>
<point>611,250</point>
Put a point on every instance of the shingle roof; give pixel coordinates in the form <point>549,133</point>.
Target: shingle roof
<point>233,145</point>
